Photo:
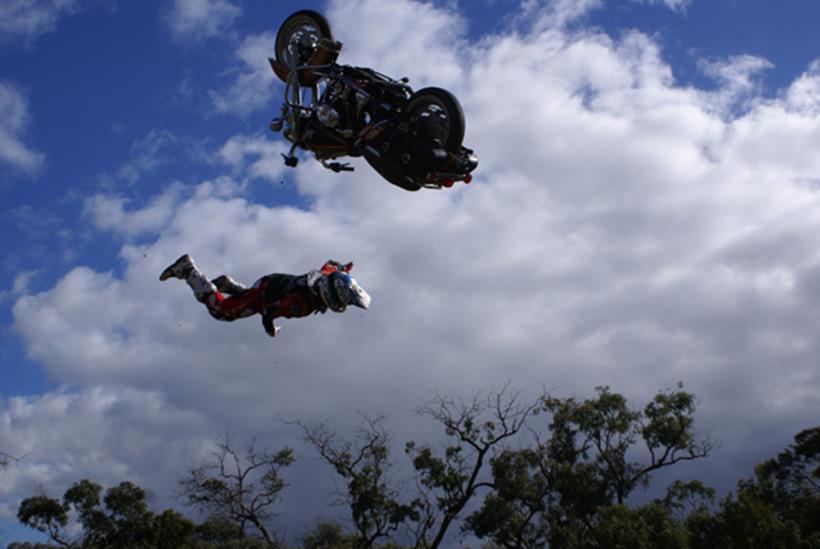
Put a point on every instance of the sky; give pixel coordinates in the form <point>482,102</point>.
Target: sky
<point>645,212</point>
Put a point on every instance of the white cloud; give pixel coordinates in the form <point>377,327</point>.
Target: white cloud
<point>14,120</point>
<point>738,76</point>
<point>676,5</point>
<point>108,212</point>
<point>201,19</point>
<point>157,150</point>
<point>399,35</point>
<point>253,87</point>
<point>804,94</point>
<point>101,433</point>
<point>266,154</point>
<point>19,286</point>
<point>28,19</point>
<point>146,154</point>
<point>560,13</point>
<point>620,230</point>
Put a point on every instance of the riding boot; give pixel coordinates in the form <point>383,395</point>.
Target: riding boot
<point>179,268</point>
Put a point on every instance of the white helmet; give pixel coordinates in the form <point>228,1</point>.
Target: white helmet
<point>339,290</point>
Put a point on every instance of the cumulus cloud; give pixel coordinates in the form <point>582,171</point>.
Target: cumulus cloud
<point>19,286</point>
<point>145,155</point>
<point>108,212</point>
<point>397,35</point>
<point>804,94</point>
<point>201,19</point>
<point>620,230</point>
<point>101,433</point>
<point>253,87</point>
<point>739,78</point>
<point>14,120</point>
<point>254,155</point>
<point>28,19</point>
<point>558,13</point>
<point>676,5</point>
<point>159,149</point>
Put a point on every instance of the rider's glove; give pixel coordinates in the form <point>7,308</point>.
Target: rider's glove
<point>270,328</point>
<point>332,266</point>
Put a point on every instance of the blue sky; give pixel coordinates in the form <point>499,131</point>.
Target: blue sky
<point>133,132</point>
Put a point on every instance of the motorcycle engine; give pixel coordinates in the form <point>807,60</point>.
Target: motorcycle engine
<point>327,115</point>
<point>333,109</point>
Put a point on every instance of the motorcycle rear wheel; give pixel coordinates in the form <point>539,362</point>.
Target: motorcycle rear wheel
<point>435,116</point>
<point>299,36</point>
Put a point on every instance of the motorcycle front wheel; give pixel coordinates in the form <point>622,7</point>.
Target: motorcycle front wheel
<point>436,117</point>
<point>299,36</point>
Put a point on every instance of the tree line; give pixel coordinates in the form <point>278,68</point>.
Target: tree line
<point>555,472</point>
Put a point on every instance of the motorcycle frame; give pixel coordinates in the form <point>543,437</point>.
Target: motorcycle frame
<point>294,101</point>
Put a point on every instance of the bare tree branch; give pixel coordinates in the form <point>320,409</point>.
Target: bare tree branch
<point>363,464</point>
<point>240,488</point>
<point>478,426</point>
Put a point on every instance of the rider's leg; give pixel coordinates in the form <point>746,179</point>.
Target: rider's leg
<point>185,269</point>
<point>207,293</point>
<point>228,285</point>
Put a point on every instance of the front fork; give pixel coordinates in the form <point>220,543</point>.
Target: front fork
<point>293,110</point>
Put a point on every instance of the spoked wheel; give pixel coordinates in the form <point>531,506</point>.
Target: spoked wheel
<point>299,36</point>
<point>436,117</point>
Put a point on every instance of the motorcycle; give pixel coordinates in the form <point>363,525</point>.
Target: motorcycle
<point>412,139</point>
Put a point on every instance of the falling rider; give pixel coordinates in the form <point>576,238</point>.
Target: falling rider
<point>274,295</point>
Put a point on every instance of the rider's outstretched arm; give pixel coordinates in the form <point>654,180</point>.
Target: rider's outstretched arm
<point>270,328</point>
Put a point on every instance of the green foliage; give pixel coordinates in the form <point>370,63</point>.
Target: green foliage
<point>172,530</point>
<point>569,490</point>
<point>43,514</point>
<point>779,508</point>
<point>120,519</point>
<point>241,489</point>
<point>363,464</point>
<point>328,535</point>
<point>450,480</point>
<point>217,530</point>
<point>519,502</point>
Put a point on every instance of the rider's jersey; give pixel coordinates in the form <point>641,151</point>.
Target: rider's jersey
<point>277,295</point>
<point>290,296</point>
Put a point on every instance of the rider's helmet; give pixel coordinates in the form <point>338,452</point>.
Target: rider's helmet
<point>339,289</point>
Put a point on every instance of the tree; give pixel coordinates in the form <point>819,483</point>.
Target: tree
<point>328,535</point>
<point>449,481</point>
<point>45,515</point>
<point>120,519</point>
<point>446,481</point>
<point>554,493</point>
<point>363,464</point>
<point>778,508</point>
<point>513,514</point>
<point>242,489</point>
<point>223,533</point>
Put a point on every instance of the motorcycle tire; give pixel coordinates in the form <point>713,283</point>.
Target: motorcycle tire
<point>299,36</point>
<point>436,115</point>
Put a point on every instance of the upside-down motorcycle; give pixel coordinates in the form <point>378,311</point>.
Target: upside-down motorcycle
<point>412,139</point>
